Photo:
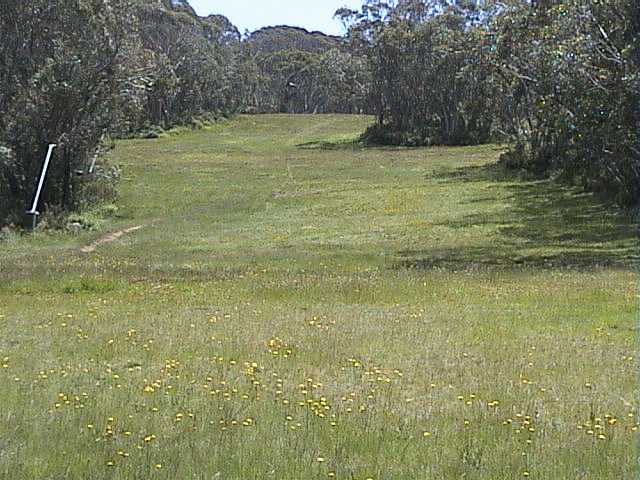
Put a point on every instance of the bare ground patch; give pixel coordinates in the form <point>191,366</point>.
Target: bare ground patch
<point>111,237</point>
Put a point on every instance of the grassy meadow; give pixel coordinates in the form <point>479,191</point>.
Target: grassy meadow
<point>298,307</point>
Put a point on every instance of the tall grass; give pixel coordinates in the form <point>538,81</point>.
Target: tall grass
<point>295,312</point>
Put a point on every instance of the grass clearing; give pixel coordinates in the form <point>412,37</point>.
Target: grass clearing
<point>297,307</point>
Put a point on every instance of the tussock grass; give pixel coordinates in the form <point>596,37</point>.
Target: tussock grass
<point>299,307</point>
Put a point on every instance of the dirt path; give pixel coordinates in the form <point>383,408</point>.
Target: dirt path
<point>111,237</point>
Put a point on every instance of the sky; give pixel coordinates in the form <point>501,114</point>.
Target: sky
<point>254,14</point>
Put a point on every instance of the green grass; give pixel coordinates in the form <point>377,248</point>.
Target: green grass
<point>436,318</point>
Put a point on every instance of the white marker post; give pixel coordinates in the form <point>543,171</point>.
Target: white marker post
<point>34,209</point>
<point>93,164</point>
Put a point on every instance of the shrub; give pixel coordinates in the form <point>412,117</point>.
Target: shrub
<point>63,65</point>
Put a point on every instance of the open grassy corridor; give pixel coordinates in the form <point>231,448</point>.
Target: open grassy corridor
<point>297,307</point>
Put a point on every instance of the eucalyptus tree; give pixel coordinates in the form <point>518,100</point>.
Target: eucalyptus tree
<point>62,66</point>
<point>295,71</point>
<point>569,91</point>
<point>558,79</point>
<point>192,63</point>
<point>430,83</point>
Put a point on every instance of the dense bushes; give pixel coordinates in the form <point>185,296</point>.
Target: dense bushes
<point>61,65</point>
<point>569,92</point>
<point>558,79</point>
<point>429,76</point>
<point>192,65</point>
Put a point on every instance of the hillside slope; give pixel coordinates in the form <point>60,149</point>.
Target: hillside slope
<point>273,39</point>
<point>298,307</point>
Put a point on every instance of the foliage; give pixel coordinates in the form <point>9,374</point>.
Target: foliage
<point>191,66</point>
<point>429,75</point>
<point>61,67</point>
<point>569,88</point>
<point>557,79</point>
<point>278,39</point>
<point>73,72</point>
<point>291,70</point>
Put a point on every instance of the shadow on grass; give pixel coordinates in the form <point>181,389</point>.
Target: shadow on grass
<point>360,144</point>
<point>337,145</point>
<point>547,225</point>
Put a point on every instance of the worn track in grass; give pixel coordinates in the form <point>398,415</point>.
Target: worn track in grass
<point>108,238</point>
